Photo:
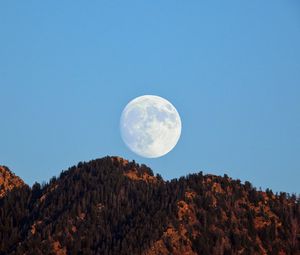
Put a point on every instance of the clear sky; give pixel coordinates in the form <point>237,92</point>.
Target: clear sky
<point>231,68</point>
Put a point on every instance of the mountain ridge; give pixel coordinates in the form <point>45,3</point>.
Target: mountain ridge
<point>8,180</point>
<point>113,206</point>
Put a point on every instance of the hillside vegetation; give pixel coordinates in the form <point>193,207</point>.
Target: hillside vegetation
<point>112,206</point>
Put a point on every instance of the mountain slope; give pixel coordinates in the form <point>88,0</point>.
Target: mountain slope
<point>112,206</point>
<point>8,181</point>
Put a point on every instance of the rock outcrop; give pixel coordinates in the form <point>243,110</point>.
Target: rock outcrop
<point>8,181</point>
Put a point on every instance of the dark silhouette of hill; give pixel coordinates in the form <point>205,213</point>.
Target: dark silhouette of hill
<point>112,206</point>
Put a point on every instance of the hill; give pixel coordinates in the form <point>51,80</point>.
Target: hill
<point>8,181</point>
<point>112,206</point>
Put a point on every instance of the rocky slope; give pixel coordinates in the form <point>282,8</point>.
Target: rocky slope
<point>8,181</point>
<point>113,206</point>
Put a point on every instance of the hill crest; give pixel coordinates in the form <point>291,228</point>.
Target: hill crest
<point>114,206</point>
<point>8,181</point>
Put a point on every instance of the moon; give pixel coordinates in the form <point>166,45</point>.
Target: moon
<point>150,126</point>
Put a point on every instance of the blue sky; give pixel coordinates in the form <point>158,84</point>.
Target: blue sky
<point>231,68</point>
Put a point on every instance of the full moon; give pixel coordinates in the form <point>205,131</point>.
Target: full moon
<point>150,126</point>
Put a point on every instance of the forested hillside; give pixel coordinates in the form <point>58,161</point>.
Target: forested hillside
<point>112,206</point>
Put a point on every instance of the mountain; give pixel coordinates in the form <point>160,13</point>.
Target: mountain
<point>8,181</point>
<point>113,206</point>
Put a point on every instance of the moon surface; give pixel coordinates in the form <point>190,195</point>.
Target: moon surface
<point>150,126</point>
